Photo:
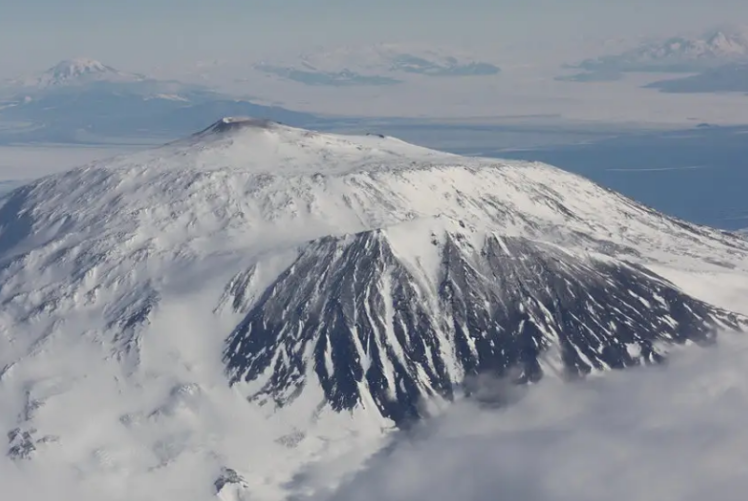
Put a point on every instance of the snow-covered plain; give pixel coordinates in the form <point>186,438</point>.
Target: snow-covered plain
<point>522,93</point>
<point>527,89</point>
<point>118,291</point>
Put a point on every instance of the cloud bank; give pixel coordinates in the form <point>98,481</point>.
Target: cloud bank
<point>670,432</point>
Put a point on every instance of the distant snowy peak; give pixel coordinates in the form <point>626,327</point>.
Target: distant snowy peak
<point>77,68</point>
<point>718,45</point>
<point>382,64</point>
<point>677,54</point>
<point>728,43</point>
<point>83,98</point>
<point>75,72</point>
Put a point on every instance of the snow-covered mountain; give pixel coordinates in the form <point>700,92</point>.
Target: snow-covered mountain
<point>676,54</point>
<point>85,100</point>
<point>383,64</point>
<point>342,284</point>
<point>72,72</point>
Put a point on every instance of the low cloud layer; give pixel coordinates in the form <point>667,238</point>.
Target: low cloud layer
<point>676,432</point>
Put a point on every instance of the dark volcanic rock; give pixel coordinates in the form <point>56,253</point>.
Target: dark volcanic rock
<point>228,477</point>
<point>20,444</point>
<point>351,316</point>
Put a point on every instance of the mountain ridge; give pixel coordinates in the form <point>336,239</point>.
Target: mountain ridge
<point>678,54</point>
<point>377,65</point>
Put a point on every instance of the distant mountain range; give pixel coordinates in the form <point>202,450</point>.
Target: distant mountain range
<point>673,55</point>
<point>379,65</point>
<point>86,100</point>
<point>727,78</point>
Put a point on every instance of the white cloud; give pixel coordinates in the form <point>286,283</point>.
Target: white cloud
<point>676,432</point>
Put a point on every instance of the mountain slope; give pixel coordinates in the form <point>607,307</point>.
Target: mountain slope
<point>343,284</point>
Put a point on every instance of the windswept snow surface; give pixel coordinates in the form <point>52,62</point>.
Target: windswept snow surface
<point>343,285</point>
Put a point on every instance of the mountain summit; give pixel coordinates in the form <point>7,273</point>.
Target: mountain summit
<point>343,284</point>
<point>76,71</point>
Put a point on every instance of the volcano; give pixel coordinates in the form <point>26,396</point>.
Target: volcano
<point>324,277</point>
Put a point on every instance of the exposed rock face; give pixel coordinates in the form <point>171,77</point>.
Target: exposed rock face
<point>350,315</point>
<point>229,477</point>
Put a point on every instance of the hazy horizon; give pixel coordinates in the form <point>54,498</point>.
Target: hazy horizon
<point>139,35</point>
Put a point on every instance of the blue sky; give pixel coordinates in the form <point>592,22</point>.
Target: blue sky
<point>140,33</point>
